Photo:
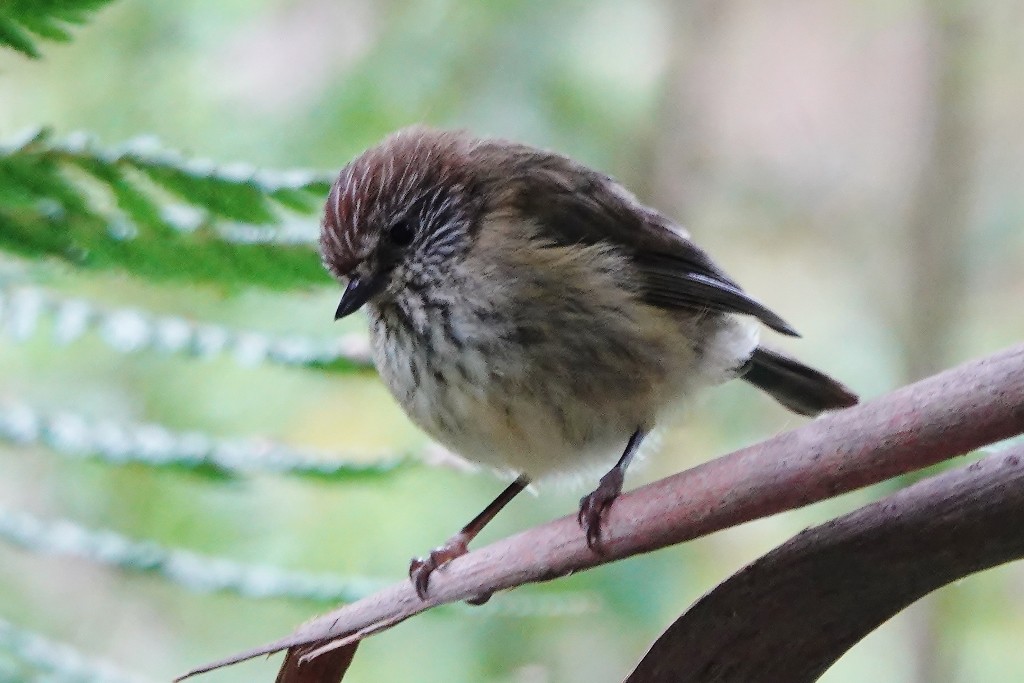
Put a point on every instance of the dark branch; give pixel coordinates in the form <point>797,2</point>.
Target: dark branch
<point>329,668</point>
<point>933,420</point>
<point>793,613</point>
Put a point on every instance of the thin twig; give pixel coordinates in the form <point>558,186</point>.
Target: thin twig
<point>947,415</point>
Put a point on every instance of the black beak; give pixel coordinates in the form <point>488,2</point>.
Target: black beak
<point>358,292</point>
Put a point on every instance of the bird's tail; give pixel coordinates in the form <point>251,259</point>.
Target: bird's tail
<point>802,389</point>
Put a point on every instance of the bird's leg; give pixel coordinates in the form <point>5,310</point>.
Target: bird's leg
<point>421,568</point>
<point>593,505</point>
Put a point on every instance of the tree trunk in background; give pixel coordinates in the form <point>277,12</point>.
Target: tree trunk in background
<point>936,254</point>
<point>939,213</point>
<point>676,147</point>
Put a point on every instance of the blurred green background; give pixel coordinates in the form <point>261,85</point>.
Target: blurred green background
<point>857,166</point>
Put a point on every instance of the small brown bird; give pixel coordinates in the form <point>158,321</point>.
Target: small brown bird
<point>532,315</point>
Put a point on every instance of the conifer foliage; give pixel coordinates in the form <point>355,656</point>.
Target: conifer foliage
<point>152,215</point>
<point>24,22</point>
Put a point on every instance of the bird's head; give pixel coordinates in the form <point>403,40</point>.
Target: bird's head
<point>398,215</point>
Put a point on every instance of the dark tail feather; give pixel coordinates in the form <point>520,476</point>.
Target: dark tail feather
<point>802,389</point>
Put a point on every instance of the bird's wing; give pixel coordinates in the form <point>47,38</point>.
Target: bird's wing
<point>579,206</point>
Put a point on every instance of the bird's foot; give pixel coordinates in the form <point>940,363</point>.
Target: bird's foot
<point>593,506</point>
<point>421,568</point>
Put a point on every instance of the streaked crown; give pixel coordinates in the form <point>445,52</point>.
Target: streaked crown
<point>418,176</point>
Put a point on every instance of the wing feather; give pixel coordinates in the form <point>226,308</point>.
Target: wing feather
<point>577,205</point>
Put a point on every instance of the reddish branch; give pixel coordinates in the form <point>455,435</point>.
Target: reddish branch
<point>933,420</point>
<point>794,612</point>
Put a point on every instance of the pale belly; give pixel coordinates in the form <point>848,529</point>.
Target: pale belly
<point>542,402</point>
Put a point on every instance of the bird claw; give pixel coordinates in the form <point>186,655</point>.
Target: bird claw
<point>594,504</point>
<point>420,568</point>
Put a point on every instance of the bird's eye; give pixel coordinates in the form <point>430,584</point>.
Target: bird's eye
<point>401,233</point>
